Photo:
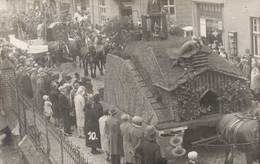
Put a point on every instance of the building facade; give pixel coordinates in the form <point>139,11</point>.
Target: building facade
<point>233,23</point>
<point>208,19</point>
<point>242,26</point>
<point>178,11</point>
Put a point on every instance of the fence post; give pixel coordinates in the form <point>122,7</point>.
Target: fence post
<point>47,137</point>
<point>258,122</point>
<point>25,119</point>
<point>61,147</point>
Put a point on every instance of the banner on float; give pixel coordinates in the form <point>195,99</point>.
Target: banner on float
<point>18,43</point>
<point>37,49</point>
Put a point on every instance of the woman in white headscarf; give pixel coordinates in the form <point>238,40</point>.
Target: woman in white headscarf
<point>79,102</point>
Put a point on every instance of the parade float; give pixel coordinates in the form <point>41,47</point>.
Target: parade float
<point>178,85</point>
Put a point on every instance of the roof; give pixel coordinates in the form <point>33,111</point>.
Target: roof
<point>210,1</point>
<point>157,59</point>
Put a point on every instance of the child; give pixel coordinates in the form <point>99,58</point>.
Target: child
<point>47,107</point>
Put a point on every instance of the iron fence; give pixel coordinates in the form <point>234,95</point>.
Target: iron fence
<point>48,139</point>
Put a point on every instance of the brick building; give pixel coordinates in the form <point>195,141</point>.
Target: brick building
<point>233,23</point>
<point>104,10</point>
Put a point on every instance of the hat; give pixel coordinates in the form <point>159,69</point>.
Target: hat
<point>113,111</point>
<point>193,155</point>
<point>45,97</point>
<point>125,117</point>
<point>150,133</point>
<point>137,120</point>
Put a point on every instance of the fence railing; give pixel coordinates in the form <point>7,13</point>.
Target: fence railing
<point>47,138</point>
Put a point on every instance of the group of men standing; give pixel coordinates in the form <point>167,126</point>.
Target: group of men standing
<point>125,139</point>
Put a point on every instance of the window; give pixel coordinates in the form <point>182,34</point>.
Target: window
<point>256,36</point>
<point>169,5</point>
<point>102,11</point>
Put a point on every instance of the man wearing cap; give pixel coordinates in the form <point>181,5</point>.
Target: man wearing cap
<point>149,152</point>
<point>193,158</point>
<point>112,128</point>
<point>125,127</point>
<point>137,135</point>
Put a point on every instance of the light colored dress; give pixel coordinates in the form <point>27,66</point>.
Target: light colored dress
<point>103,136</point>
<point>79,102</point>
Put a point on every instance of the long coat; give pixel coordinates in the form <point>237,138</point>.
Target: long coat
<point>125,131</point>
<point>64,108</point>
<point>79,102</point>
<point>136,137</point>
<point>92,132</point>
<point>27,86</point>
<point>149,151</point>
<point>103,135</point>
<point>112,127</point>
<point>54,97</point>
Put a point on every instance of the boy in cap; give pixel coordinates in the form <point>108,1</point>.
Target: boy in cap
<point>193,158</point>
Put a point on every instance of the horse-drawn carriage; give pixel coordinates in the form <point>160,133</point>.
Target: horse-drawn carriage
<point>183,90</point>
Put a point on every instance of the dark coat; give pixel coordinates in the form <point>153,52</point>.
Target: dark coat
<point>27,86</point>
<point>92,132</point>
<point>54,97</point>
<point>64,105</point>
<point>112,128</point>
<point>149,152</point>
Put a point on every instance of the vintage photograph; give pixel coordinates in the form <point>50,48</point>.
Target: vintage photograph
<point>129,81</point>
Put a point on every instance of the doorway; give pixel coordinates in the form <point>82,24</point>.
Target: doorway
<point>209,103</point>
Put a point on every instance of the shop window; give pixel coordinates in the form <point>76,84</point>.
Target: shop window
<point>169,6</point>
<point>256,36</point>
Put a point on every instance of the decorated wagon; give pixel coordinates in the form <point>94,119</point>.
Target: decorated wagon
<point>180,89</point>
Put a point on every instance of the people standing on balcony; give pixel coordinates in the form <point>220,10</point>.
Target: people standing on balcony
<point>112,128</point>
<point>79,101</point>
<point>125,131</point>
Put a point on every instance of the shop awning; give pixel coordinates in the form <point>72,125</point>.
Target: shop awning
<point>18,43</point>
<point>209,1</point>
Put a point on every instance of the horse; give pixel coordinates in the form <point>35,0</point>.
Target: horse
<point>240,129</point>
<point>59,52</point>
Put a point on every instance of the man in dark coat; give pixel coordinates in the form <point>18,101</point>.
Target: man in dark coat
<point>149,150</point>
<point>65,108</point>
<point>112,128</point>
<point>54,97</point>
<point>92,131</point>
<point>27,84</point>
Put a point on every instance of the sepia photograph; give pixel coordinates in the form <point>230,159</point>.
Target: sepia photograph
<point>129,81</point>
